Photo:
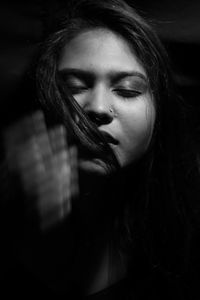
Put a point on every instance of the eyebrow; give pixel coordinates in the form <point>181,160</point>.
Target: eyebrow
<point>113,74</point>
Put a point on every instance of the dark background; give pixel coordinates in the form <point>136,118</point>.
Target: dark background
<point>22,29</point>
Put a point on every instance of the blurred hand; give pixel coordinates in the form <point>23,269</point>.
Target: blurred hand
<point>45,165</point>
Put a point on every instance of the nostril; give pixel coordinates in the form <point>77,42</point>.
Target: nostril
<point>100,118</point>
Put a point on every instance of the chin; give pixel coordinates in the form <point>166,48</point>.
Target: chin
<point>93,166</point>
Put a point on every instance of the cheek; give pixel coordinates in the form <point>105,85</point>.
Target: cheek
<point>137,125</point>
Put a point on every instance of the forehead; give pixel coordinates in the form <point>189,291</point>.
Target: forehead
<point>99,50</point>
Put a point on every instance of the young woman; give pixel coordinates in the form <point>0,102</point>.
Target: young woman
<point>107,168</point>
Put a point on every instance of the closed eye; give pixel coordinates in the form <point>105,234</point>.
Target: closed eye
<point>75,90</point>
<point>75,84</point>
<point>127,93</point>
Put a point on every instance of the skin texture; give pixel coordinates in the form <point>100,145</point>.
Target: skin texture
<point>111,85</point>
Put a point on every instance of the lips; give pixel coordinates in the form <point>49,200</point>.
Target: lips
<point>89,152</point>
<point>109,138</point>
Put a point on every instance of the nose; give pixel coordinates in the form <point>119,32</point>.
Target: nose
<point>98,106</point>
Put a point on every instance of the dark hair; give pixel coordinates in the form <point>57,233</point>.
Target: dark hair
<point>161,219</point>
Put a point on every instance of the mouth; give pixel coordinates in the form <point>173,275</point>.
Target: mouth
<point>109,138</point>
<point>100,153</point>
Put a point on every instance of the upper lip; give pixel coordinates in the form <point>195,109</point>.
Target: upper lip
<point>109,138</point>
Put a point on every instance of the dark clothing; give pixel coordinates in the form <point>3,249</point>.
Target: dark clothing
<point>20,282</point>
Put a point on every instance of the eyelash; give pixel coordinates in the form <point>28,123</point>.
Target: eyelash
<point>77,90</point>
<point>126,93</point>
<point>123,93</point>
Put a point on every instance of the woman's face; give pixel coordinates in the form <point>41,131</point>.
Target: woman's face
<point>110,84</point>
